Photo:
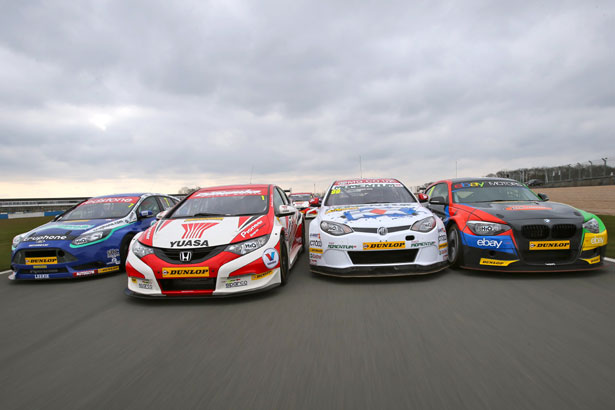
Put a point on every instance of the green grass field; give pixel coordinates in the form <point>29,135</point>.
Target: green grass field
<point>11,227</point>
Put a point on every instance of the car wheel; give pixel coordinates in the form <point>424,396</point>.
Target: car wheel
<point>303,229</point>
<point>124,251</point>
<point>455,248</point>
<point>283,263</point>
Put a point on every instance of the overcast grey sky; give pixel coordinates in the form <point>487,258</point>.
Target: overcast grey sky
<point>106,96</point>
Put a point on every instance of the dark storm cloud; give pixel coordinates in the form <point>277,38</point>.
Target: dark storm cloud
<point>301,90</point>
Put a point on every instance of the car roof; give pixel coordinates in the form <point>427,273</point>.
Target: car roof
<point>365,181</point>
<point>458,180</point>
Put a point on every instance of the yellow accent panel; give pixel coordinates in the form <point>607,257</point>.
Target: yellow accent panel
<point>315,250</point>
<point>594,240</point>
<point>591,261</point>
<point>495,262</point>
<point>261,275</point>
<point>383,245</point>
<point>200,272</point>
<point>108,269</point>
<point>38,261</point>
<point>549,245</point>
<point>443,245</point>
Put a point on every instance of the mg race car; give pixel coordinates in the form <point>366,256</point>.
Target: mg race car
<point>501,225</point>
<point>91,238</point>
<point>219,241</point>
<point>375,227</point>
<point>306,202</point>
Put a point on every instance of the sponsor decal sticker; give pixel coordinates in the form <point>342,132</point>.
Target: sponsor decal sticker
<point>190,243</point>
<point>315,250</point>
<point>592,261</point>
<point>243,192</point>
<point>41,276</point>
<point>549,245</point>
<point>113,200</point>
<point>235,283</point>
<point>85,272</point>
<point>496,262</point>
<point>108,269</point>
<point>196,272</point>
<point>443,245</point>
<point>367,246</point>
<point>195,230</point>
<point>252,230</point>
<point>39,261</point>
<point>489,243</point>
<point>422,244</point>
<point>42,238</point>
<point>347,208</point>
<point>392,212</point>
<point>271,258</point>
<point>262,275</point>
<point>315,235</point>
<point>341,246</point>
<point>528,208</point>
<point>367,181</point>
<point>594,240</point>
<point>143,283</point>
<point>316,242</point>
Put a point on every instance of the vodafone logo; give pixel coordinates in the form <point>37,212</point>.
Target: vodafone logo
<point>489,243</point>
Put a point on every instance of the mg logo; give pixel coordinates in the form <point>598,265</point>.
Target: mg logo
<point>547,221</point>
<point>185,256</point>
<point>382,231</point>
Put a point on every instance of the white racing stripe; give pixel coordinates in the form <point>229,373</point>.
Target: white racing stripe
<point>610,260</point>
<point>9,271</point>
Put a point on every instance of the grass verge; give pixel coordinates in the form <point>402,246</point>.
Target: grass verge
<point>11,227</point>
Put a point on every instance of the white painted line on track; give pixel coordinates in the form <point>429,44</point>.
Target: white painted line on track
<point>9,271</point>
<point>610,260</point>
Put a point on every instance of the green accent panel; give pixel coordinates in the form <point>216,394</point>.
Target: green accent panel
<point>102,239</point>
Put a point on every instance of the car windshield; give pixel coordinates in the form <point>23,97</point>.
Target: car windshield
<point>368,192</point>
<point>225,203</point>
<point>472,192</point>
<point>102,208</point>
<point>300,197</point>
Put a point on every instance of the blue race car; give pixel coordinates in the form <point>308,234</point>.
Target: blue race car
<point>89,239</point>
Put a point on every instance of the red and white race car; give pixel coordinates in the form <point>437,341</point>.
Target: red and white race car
<point>218,241</point>
<point>306,202</point>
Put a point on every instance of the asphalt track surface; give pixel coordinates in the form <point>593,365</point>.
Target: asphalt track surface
<point>453,340</point>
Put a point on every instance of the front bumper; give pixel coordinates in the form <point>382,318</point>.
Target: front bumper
<point>379,271</point>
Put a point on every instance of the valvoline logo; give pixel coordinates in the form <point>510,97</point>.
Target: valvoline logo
<point>271,258</point>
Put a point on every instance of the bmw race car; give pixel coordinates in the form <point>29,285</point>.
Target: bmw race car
<point>219,241</point>
<point>89,239</point>
<point>306,202</point>
<point>501,225</point>
<point>375,227</point>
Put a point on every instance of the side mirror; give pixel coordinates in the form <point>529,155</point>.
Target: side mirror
<point>55,218</point>
<point>422,198</point>
<point>544,197</point>
<point>315,202</point>
<point>285,210</point>
<point>161,214</point>
<point>437,200</point>
<point>146,214</point>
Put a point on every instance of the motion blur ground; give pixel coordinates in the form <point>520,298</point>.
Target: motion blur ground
<point>455,339</point>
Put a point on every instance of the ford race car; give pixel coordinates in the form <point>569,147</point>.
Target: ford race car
<point>375,227</point>
<point>219,241</point>
<point>91,238</point>
<point>499,224</point>
<point>307,203</point>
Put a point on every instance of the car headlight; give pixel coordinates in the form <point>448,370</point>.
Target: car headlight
<point>241,248</point>
<point>424,225</point>
<point>87,238</point>
<point>335,229</point>
<point>592,226</point>
<point>141,250</point>
<point>486,228</point>
<point>17,240</point>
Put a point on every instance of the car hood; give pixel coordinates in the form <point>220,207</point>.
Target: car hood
<point>301,204</point>
<point>521,210</point>
<point>69,230</point>
<point>375,215</point>
<point>204,232</point>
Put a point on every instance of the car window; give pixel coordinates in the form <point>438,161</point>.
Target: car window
<point>150,204</point>
<point>277,199</point>
<point>284,197</point>
<point>440,190</point>
<point>166,202</point>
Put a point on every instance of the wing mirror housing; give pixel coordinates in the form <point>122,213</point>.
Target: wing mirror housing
<point>422,198</point>
<point>437,200</point>
<point>285,210</point>
<point>544,197</point>
<point>161,214</point>
<point>315,202</point>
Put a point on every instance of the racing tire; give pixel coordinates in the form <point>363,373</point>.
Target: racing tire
<point>283,263</point>
<point>302,235</point>
<point>455,248</point>
<point>124,251</point>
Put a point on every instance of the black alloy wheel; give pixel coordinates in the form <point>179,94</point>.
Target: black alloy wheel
<point>454,246</point>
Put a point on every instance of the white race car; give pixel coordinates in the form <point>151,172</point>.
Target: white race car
<point>218,241</point>
<point>375,227</point>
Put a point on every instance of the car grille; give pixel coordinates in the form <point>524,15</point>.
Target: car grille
<point>382,257</point>
<point>198,254</point>
<point>91,265</point>
<point>563,231</point>
<point>62,255</point>
<point>375,230</point>
<point>187,284</point>
<point>548,256</point>
<point>535,231</point>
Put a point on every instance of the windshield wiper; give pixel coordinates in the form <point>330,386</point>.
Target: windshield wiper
<point>209,214</point>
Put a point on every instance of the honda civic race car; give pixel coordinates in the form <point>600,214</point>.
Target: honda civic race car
<point>375,227</point>
<point>89,239</point>
<point>307,203</point>
<point>501,225</point>
<point>219,241</point>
